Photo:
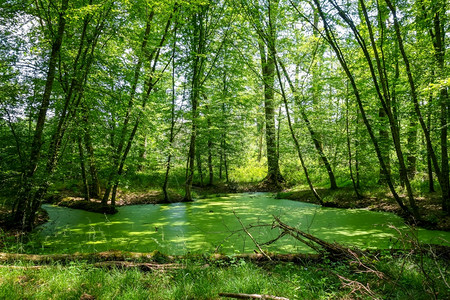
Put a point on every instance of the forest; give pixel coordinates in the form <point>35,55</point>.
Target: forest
<point>226,134</point>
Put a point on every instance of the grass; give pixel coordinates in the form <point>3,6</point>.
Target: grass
<point>205,280</point>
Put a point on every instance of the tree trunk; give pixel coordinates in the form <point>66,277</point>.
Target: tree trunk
<point>142,154</point>
<point>225,160</point>
<point>382,90</point>
<point>198,157</point>
<point>268,74</point>
<point>172,121</point>
<point>411,159</point>
<point>294,137</point>
<point>260,133</point>
<point>24,197</point>
<point>210,163</point>
<point>198,46</point>
<point>118,152</point>
<point>439,50</point>
<point>314,136</point>
<point>349,150</point>
<point>95,186</point>
<point>331,40</point>
<point>152,80</point>
<point>83,170</point>
<point>429,163</point>
<point>384,147</point>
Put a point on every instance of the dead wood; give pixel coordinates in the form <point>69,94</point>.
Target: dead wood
<point>89,257</point>
<point>20,267</point>
<point>251,296</point>
<point>149,257</point>
<point>142,266</point>
<point>333,250</point>
<point>253,239</point>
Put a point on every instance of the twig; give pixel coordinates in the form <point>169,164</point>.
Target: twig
<point>141,266</point>
<point>356,286</point>
<point>253,239</point>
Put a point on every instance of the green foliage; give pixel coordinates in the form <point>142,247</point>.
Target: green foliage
<point>250,171</point>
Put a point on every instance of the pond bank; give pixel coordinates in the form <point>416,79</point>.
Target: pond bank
<point>381,200</point>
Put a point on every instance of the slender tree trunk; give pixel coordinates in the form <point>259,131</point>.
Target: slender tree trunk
<point>117,154</point>
<point>332,41</point>
<point>442,175</point>
<point>429,163</point>
<point>210,163</point>
<point>225,160</point>
<point>83,170</point>
<point>349,150</point>
<point>95,186</point>
<point>153,59</point>
<point>260,133</point>
<point>142,154</point>
<point>412,147</point>
<point>172,121</point>
<point>314,136</point>
<point>221,160</point>
<point>198,157</point>
<point>384,147</point>
<point>382,91</point>
<point>294,137</point>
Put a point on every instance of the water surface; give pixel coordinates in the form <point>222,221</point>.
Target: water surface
<point>209,225</point>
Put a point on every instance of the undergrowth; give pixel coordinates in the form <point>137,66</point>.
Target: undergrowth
<point>199,279</point>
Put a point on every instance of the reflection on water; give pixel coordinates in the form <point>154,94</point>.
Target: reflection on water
<point>209,225</point>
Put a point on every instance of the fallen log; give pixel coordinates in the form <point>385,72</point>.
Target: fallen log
<point>142,266</point>
<point>21,267</point>
<point>153,257</point>
<point>251,296</point>
<point>333,250</point>
<point>88,257</point>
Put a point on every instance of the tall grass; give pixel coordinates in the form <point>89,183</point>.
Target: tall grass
<point>206,279</point>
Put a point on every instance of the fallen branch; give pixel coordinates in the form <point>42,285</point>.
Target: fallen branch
<point>142,266</point>
<point>253,239</point>
<point>319,245</point>
<point>357,286</point>
<point>251,296</point>
<point>21,267</point>
<point>93,258</point>
<point>88,257</point>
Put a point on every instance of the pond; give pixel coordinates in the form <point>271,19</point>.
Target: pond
<point>210,225</point>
